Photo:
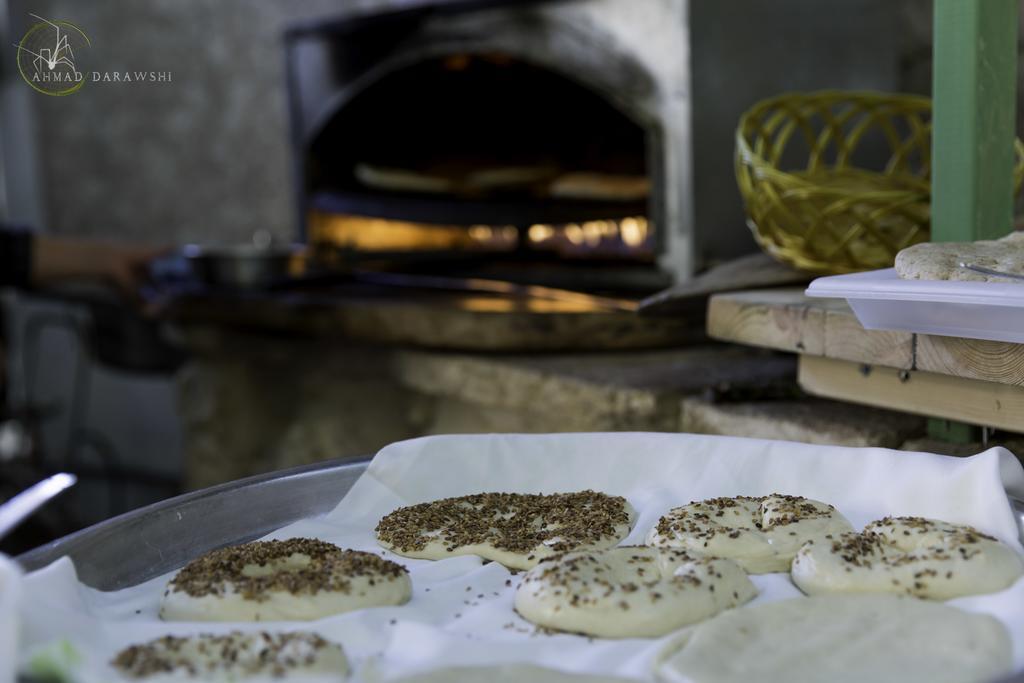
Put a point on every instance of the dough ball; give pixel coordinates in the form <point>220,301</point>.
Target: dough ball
<point>840,639</point>
<point>506,673</point>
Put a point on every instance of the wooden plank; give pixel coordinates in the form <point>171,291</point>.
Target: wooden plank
<point>774,318</point>
<point>973,358</point>
<point>787,320</point>
<point>922,393</point>
<point>974,98</point>
<point>846,338</point>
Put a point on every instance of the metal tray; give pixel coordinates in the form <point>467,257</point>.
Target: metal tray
<point>145,543</point>
<point>134,547</point>
<point>137,546</point>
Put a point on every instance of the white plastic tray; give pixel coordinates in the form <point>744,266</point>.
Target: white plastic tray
<point>883,301</point>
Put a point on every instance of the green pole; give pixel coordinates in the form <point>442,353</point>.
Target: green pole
<point>974,92</point>
<point>974,97</point>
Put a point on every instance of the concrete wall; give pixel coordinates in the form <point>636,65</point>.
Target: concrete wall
<point>202,157</point>
<point>20,200</point>
<point>747,50</point>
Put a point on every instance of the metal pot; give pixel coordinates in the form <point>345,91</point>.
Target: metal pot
<point>241,267</point>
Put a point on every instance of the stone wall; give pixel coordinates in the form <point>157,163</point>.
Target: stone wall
<point>206,157</point>
<point>252,404</point>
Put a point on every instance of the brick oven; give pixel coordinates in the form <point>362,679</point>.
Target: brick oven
<point>540,142</point>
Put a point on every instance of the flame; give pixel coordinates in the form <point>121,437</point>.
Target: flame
<point>540,232</point>
<point>481,233</point>
<point>384,234</point>
<point>632,232</point>
<point>574,233</point>
<point>493,304</point>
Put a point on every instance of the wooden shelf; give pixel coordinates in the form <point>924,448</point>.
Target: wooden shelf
<point>968,380</point>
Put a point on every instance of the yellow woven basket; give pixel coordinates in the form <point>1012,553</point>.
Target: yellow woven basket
<point>843,210</point>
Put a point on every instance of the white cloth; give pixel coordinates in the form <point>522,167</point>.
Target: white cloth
<point>461,611</point>
<point>10,597</point>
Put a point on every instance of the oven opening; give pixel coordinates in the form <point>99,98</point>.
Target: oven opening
<point>481,155</point>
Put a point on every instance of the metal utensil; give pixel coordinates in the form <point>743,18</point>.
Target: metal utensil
<point>240,267</point>
<point>988,271</point>
<point>112,555</point>
<point>21,506</point>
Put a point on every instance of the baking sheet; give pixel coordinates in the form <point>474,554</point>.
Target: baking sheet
<point>461,612</point>
<point>882,300</point>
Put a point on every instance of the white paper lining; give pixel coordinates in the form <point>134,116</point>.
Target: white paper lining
<point>461,612</point>
<point>10,596</point>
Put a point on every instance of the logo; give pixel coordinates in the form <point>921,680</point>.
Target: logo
<point>51,57</point>
<point>49,54</point>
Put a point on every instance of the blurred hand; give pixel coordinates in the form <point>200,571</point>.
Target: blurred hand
<point>125,267</point>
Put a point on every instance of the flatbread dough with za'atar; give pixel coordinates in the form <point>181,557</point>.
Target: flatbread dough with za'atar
<point>761,533</point>
<point>921,557</point>
<point>629,592</point>
<point>296,579</point>
<point>517,530</point>
<point>941,260</point>
<point>234,656</point>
